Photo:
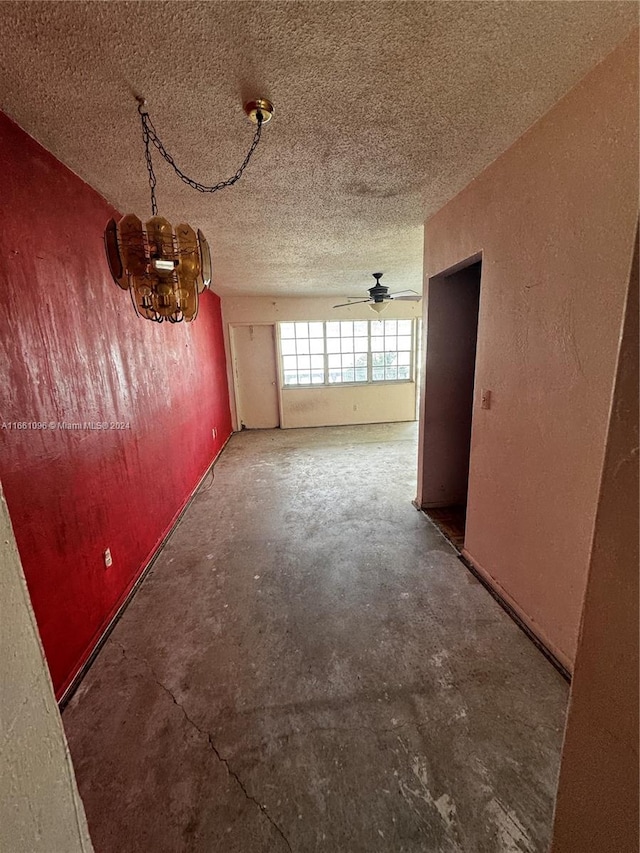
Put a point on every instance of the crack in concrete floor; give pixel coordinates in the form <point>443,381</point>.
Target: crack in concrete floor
<point>361,692</point>
<point>213,747</point>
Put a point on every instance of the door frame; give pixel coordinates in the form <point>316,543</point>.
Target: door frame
<point>233,352</point>
<point>441,274</point>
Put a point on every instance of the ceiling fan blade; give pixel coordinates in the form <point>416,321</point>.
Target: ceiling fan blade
<point>406,294</point>
<point>357,302</point>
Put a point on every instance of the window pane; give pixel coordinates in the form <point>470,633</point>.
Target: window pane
<point>347,344</point>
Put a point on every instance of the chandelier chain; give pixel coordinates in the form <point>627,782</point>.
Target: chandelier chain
<point>150,135</point>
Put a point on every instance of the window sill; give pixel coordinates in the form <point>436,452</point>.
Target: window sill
<point>378,383</point>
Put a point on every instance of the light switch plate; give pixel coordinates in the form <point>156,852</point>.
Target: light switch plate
<point>485,399</point>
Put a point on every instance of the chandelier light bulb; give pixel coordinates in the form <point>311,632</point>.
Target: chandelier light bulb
<point>164,269</point>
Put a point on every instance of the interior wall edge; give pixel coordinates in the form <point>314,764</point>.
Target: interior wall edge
<point>41,804</point>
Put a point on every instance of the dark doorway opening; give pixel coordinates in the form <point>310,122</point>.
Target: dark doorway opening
<point>452,337</point>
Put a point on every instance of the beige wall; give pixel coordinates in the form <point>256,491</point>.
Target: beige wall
<point>40,808</point>
<point>597,805</point>
<point>324,406</point>
<point>554,218</point>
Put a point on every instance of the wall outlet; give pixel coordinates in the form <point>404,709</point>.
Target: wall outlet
<point>214,432</point>
<point>108,559</point>
<point>485,399</point>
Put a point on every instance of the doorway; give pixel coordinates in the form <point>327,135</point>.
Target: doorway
<point>453,301</point>
<point>255,376</point>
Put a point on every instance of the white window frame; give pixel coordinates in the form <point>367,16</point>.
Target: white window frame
<point>355,383</point>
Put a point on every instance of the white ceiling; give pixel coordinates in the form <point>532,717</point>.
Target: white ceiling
<point>384,111</point>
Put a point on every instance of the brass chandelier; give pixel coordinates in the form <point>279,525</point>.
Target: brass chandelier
<point>165,269</point>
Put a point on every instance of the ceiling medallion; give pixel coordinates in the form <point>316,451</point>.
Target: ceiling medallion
<point>165,269</point>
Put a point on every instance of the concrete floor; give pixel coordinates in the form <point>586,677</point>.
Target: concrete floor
<point>309,667</point>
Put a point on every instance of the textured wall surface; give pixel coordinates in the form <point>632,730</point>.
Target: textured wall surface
<point>597,805</point>
<point>384,110</point>
<point>554,218</point>
<point>40,808</point>
<point>74,352</point>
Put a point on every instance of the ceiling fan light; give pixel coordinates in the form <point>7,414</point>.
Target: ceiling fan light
<point>377,306</point>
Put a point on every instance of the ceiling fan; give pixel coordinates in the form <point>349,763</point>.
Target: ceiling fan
<point>379,296</point>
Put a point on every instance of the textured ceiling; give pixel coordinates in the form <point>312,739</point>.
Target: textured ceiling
<point>384,110</point>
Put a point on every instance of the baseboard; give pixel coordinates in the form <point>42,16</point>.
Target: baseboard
<point>553,655</point>
<point>86,666</point>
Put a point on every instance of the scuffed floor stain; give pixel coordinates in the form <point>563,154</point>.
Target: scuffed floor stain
<point>511,834</point>
<point>300,674</point>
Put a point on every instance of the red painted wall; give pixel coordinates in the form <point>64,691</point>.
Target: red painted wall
<point>72,350</point>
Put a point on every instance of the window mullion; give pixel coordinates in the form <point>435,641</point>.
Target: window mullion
<point>326,355</point>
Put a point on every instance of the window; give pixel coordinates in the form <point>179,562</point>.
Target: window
<point>303,352</point>
<point>391,349</point>
<point>347,351</point>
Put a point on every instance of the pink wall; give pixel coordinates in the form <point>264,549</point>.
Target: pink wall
<point>597,805</point>
<point>73,350</point>
<point>554,218</point>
